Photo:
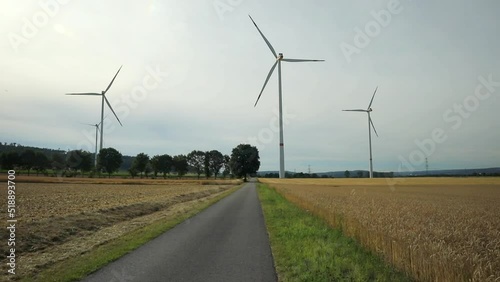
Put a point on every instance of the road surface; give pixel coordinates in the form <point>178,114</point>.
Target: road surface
<point>226,242</point>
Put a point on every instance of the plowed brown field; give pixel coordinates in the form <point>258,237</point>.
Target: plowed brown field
<point>61,219</point>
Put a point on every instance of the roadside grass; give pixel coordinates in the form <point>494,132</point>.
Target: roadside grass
<point>305,248</point>
<point>77,268</point>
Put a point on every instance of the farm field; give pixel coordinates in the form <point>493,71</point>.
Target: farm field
<point>437,229</point>
<point>59,220</point>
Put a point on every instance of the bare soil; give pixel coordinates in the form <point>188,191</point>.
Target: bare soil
<point>61,219</point>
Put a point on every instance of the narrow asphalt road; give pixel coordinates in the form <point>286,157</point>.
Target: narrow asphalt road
<point>226,242</point>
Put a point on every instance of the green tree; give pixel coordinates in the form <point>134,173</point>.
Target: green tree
<point>347,174</point>
<point>180,165</point>
<point>58,163</point>
<point>87,161</point>
<point>227,166</point>
<point>141,162</point>
<point>155,164</point>
<point>148,169</point>
<point>165,163</point>
<point>196,159</point>
<point>216,162</point>
<point>41,162</point>
<point>206,165</point>
<point>73,160</point>
<point>10,160</point>
<point>133,172</point>
<point>28,160</point>
<point>79,160</point>
<point>109,159</point>
<point>244,160</point>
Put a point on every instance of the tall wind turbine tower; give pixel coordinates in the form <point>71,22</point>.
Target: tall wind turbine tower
<point>278,59</point>
<point>103,99</point>
<point>370,126</point>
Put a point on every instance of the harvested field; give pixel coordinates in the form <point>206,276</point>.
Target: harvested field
<point>60,220</point>
<point>437,229</point>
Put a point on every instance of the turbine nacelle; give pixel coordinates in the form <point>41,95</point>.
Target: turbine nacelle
<point>280,56</point>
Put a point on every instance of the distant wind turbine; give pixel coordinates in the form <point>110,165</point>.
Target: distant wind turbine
<point>370,125</point>
<point>103,95</point>
<point>279,59</point>
<point>96,133</point>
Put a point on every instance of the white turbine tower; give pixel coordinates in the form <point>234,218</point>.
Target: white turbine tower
<point>279,58</point>
<point>104,99</point>
<point>96,134</point>
<point>370,125</point>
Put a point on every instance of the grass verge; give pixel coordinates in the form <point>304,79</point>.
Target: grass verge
<point>305,248</point>
<point>77,268</point>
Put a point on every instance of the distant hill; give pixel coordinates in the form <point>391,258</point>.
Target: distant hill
<point>454,172</point>
<point>15,147</point>
<point>330,174</point>
<point>495,171</point>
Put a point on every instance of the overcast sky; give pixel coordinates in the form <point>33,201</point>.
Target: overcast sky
<point>192,71</point>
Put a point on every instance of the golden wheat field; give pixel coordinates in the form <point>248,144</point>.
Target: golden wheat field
<point>437,229</point>
<point>60,219</point>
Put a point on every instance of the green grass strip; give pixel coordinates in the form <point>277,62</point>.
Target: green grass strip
<point>306,248</point>
<point>75,269</point>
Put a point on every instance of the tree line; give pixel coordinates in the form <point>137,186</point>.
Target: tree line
<point>209,163</point>
<point>30,160</point>
<point>244,160</point>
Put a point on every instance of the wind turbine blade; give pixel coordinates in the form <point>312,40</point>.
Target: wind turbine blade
<point>109,105</point>
<point>373,126</point>
<point>357,110</point>
<point>371,101</point>
<point>113,79</point>
<point>105,117</point>
<point>265,39</point>
<point>301,60</point>
<point>86,124</point>
<point>92,94</point>
<point>265,83</point>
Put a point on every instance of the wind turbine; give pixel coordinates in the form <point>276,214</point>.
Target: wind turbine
<point>103,95</point>
<point>370,125</point>
<point>96,133</point>
<point>279,58</point>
